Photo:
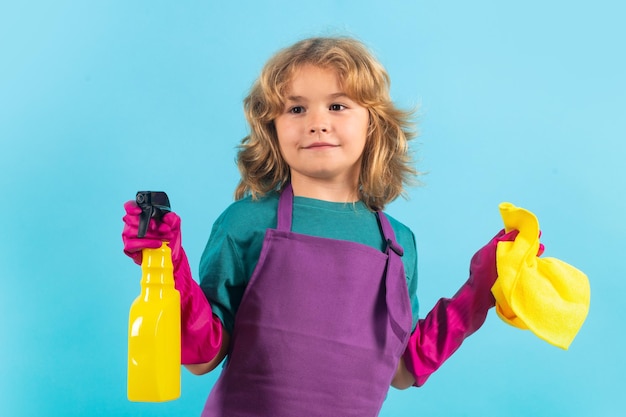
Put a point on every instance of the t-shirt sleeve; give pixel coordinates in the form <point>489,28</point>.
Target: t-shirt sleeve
<point>412,284</point>
<point>406,239</point>
<point>222,274</point>
<point>232,253</point>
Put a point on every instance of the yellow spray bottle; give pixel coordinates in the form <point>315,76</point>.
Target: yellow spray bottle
<point>154,318</point>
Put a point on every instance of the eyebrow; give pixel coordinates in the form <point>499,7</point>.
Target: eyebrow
<point>330,96</point>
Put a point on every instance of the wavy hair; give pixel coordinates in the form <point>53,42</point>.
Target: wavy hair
<point>386,164</point>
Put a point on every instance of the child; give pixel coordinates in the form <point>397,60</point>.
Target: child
<point>306,285</point>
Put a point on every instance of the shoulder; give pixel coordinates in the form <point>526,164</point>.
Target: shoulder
<point>404,235</point>
<point>248,213</point>
<point>406,238</point>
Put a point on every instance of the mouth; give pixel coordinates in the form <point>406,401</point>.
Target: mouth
<point>321,145</point>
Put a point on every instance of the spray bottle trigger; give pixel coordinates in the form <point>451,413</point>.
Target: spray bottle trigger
<point>153,204</point>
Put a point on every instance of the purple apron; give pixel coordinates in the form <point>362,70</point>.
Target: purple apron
<point>320,329</point>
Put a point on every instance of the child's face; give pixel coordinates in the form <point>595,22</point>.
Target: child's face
<point>321,131</point>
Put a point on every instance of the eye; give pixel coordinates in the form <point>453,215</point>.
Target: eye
<point>337,107</point>
<point>296,110</point>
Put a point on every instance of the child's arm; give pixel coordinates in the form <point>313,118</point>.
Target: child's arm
<point>206,367</point>
<point>201,330</point>
<point>444,328</point>
<point>202,335</point>
<point>403,378</point>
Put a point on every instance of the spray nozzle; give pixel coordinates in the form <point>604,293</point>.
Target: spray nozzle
<point>153,204</point>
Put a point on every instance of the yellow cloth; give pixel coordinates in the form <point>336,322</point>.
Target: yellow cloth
<point>545,295</point>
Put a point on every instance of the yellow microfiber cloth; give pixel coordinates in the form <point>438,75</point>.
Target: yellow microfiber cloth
<point>545,295</point>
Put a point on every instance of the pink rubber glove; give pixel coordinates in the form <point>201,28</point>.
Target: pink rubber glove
<point>201,330</point>
<point>166,230</point>
<point>441,332</point>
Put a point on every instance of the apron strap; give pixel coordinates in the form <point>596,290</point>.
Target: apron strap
<point>285,207</point>
<point>387,231</point>
<point>394,268</point>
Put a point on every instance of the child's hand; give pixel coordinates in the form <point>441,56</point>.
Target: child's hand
<point>166,230</point>
<point>483,270</point>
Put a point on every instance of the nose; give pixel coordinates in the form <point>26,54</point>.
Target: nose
<point>318,122</point>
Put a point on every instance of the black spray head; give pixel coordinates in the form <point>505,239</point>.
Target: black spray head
<point>153,204</point>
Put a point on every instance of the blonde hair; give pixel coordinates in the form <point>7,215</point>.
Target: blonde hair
<point>386,165</point>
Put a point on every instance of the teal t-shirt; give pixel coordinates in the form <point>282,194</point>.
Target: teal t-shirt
<point>234,246</point>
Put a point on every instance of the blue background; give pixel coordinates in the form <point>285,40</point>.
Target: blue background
<point>518,101</point>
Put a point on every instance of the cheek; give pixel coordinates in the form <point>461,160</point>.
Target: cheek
<point>284,131</point>
<point>362,122</point>
<point>286,143</point>
<point>363,131</point>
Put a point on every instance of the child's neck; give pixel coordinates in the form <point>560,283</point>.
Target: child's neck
<point>334,191</point>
